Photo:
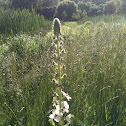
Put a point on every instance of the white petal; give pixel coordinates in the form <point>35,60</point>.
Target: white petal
<point>68,118</point>
<point>51,116</point>
<point>54,99</point>
<point>64,94</point>
<point>57,119</point>
<point>65,110</point>
<point>68,98</point>
<point>60,114</point>
<point>57,107</point>
<point>65,105</point>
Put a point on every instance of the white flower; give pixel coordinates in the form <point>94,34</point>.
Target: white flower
<point>56,114</point>
<point>57,107</point>
<point>68,117</point>
<point>66,95</point>
<point>65,107</point>
<point>54,99</point>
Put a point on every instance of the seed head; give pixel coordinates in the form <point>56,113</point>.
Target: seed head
<point>56,27</point>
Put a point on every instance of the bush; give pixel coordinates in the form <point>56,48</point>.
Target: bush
<point>110,8</point>
<point>66,9</point>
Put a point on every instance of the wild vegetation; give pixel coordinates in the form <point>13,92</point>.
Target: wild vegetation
<point>13,22</point>
<point>95,65</point>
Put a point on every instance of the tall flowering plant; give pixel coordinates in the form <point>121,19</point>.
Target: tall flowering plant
<point>60,113</point>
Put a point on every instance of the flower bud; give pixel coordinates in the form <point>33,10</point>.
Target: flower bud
<point>63,51</point>
<point>55,94</point>
<point>56,27</point>
<point>61,86</point>
<point>54,81</point>
<point>63,66</point>
<point>64,76</point>
<point>56,74</point>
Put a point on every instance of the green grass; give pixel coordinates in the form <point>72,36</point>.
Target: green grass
<point>95,67</point>
<point>14,22</point>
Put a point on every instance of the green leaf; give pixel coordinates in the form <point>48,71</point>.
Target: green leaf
<point>52,122</point>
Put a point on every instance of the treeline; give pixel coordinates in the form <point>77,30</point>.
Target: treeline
<point>75,10</point>
<point>71,9</point>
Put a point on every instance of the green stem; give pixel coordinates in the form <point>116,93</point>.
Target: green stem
<point>59,80</point>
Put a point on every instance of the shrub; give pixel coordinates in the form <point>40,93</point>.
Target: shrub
<point>110,8</point>
<point>66,9</point>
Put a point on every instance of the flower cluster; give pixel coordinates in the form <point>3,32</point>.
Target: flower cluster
<point>56,113</point>
<point>60,98</point>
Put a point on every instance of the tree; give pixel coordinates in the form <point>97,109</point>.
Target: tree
<point>93,10</point>
<point>67,9</point>
<point>34,3</point>
<point>84,6</point>
<point>89,7</point>
<point>49,12</point>
<point>97,2</point>
<point>101,9</point>
<point>110,7</point>
<point>24,3</point>
<point>48,3</point>
<point>123,7</point>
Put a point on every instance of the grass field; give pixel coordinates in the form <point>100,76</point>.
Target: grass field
<point>95,66</point>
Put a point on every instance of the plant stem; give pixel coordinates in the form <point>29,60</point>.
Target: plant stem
<point>59,79</point>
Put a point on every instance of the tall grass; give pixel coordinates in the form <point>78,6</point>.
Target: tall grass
<point>17,21</point>
<point>96,75</point>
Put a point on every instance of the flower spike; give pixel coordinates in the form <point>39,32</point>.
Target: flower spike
<point>56,27</point>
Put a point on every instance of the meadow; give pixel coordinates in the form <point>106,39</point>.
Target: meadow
<point>95,62</point>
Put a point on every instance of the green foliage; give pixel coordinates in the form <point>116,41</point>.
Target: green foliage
<point>100,9</point>
<point>48,3</point>
<point>96,75</point>
<point>25,81</point>
<point>89,7</point>
<point>66,9</point>
<point>123,7</point>
<point>24,3</point>
<point>93,10</point>
<point>4,4</point>
<point>95,68</point>
<point>84,6</point>
<point>98,2</point>
<point>13,22</point>
<point>110,7</point>
<point>49,12</point>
